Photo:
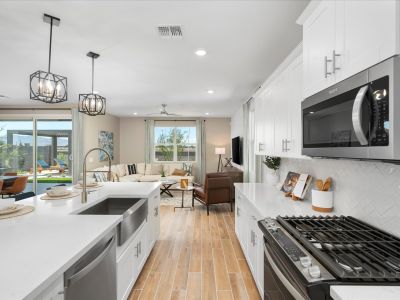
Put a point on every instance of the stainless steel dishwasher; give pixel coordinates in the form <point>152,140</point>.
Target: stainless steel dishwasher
<point>93,276</point>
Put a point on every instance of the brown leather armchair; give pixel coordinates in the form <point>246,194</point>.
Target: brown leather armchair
<point>17,187</point>
<point>217,189</point>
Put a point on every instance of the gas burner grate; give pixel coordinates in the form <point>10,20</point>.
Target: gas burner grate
<point>348,247</point>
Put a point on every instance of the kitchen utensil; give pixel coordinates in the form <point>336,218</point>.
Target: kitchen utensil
<point>319,184</point>
<point>327,184</point>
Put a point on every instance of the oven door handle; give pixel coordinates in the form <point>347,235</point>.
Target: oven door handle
<point>292,290</point>
<point>357,115</point>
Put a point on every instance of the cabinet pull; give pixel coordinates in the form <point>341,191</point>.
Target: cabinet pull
<point>238,211</point>
<point>254,218</point>
<point>326,61</point>
<point>334,55</point>
<point>286,143</point>
<point>155,211</point>
<point>260,146</point>
<point>283,145</point>
<point>137,250</point>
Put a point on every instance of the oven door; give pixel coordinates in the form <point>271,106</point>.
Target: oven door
<point>281,281</point>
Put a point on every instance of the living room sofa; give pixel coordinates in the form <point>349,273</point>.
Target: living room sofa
<point>145,172</point>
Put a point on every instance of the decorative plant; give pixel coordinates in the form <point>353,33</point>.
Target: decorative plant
<point>272,162</point>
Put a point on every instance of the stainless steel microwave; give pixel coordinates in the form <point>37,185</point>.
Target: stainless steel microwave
<point>356,118</point>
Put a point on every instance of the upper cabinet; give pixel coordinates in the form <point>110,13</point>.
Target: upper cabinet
<point>342,38</point>
<point>318,45</point>
<point>278,110</point>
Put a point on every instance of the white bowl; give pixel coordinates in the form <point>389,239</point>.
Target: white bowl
<point>6,202</point>
<point>89,181</point>
<point>57,191</point>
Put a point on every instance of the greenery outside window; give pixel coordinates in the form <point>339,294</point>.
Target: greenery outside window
<point>175,143</point>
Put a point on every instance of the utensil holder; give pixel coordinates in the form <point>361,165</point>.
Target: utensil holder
<point>322,201</point>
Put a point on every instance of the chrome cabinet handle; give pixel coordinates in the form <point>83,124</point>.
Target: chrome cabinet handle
<point>287,142</point>
<point>334,55</point>
<point>137,250</point>
<point>356,116</point>
<point>283,145</point>
<point>260,146</point>
<point>254,218</point>
<point>238,211</point>
<point>155,211</point>
<point>326,61</point>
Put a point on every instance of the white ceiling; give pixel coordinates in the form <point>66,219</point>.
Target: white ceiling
<point>137,69</point>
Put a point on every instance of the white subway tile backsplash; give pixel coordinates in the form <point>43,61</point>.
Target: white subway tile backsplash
<point>367,190</point>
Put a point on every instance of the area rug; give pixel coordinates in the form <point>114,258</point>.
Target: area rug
<point>176,200</point>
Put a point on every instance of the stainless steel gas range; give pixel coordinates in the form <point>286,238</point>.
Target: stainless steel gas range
<point>305,255</point>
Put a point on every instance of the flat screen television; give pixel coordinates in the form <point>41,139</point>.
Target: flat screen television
<point>237,150</point>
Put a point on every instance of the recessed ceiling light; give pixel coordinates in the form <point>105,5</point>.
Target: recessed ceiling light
<point>207,113</point>
<point>200,52</point>
<point>210,91</point>
<point>135,113</point>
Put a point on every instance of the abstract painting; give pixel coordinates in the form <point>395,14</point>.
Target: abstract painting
<point>106,141</point>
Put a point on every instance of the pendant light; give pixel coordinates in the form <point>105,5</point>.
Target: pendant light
<point>92,104</point>
<point>46,86</point>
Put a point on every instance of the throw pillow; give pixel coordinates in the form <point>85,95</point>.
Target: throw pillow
<point>178,172</point>
<point>131,169</point>
<point>156,169</point>
<point>140,168</point>
<point>148,169</point>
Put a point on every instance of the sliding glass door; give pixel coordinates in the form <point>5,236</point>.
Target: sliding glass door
<point>38,148</point>
<point>16,151</point>
<point>53,153</point>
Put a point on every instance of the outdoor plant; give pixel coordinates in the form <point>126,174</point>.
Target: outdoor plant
<point>272,162</point>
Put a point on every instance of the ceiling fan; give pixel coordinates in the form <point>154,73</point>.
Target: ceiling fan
<point>163,111</point>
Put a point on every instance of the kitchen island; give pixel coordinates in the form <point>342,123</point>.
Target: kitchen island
<point>37,248</point>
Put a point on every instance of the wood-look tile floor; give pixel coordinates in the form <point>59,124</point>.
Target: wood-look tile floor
<point>196,257</point>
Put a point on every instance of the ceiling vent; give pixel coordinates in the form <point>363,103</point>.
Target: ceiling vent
<point>170,31</point>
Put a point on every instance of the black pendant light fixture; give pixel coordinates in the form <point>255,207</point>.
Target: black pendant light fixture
<point>46,86</point>
<point>92,104</point>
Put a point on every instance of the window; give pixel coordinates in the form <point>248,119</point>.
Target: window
<point>175,141</point>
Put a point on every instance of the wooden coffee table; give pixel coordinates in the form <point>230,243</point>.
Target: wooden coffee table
<point>183,190</point>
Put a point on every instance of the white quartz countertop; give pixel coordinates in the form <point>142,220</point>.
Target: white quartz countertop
<point>271,202</point>
<point>354,292</point>
<point>38,247</point>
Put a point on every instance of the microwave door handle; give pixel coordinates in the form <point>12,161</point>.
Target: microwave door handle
<point>282,277</point>
<point>357,115</point>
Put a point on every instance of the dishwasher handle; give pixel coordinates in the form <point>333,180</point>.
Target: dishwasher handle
<point>89,267</point>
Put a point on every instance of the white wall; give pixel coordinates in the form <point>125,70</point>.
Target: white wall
<point>237,128</point>
<point>91,128</point>
<point>367,190</point>
<point>132,136</point>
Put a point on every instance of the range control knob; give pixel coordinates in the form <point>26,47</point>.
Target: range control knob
<point>314,272</point>
<point>305,261</point>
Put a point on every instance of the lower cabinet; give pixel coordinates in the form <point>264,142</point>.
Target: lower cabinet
<point>250,238</point>
<point>131,261</point>
<point>55,291</point>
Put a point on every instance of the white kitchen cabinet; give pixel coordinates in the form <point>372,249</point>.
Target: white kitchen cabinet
<point>259,125</point>
<point>342,38</point>
<point>153,220</point>
<point>250,238</point>
<point>278,112</point>
<point>367,31</point>
<point>136,250</point>
<point>319,41</point>
<point>55,291</point>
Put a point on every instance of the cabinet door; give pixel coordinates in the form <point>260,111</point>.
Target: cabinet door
<point>318,42</point>
<point>280,90</point>
<point>295,83</point>
<point>153,220</point>
<point>140,250</point>
<point>368,30</point>
<point>55,291</point>
<point>126,271</point>
<point>269,110</point>
<point>259,125</point>
<point>241,222</point>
